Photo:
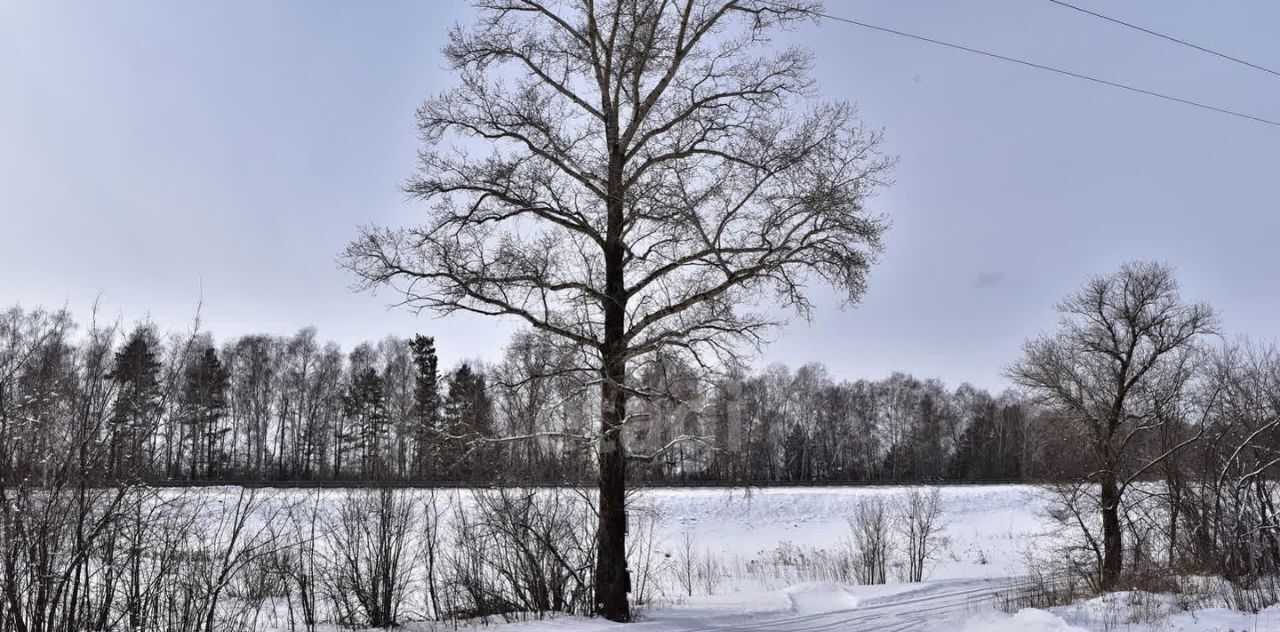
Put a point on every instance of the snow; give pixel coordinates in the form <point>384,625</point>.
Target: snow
<point>822,598</point>
<point>939,606</point>
<point>773,547</point>
<point>1027,620</point>
<point>989,533</point>
<point>1136,611</point>
<point>989,529</point>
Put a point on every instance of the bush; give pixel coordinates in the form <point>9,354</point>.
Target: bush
<point>872,545</point>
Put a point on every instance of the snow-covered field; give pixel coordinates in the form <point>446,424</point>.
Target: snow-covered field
<point>777,559</point>
<point>990,532</point>
<point>987,528</point>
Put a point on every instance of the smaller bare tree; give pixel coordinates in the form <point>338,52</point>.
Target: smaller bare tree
<point>872,541</point>
<point>687,562</point>
<point>431,549</point>
<point>920,525</point>
<point>297,565</point>
<point>649,563</point>
<point>371,548</point>
<point>236,536</point>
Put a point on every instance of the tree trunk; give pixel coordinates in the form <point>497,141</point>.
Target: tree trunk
<point>611,553</point>
<point>1173,484</point>
<point>611,539</point>
<point>1112,544</point>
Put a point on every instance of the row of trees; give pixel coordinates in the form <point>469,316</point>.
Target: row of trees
<point>784,425</point>
<point>292,408</point>
<point>258,407</point>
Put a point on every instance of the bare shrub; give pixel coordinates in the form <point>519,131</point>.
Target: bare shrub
<point>431,551</point>
<point>298,565</point>
<point>1041,588</point>
<point>48,540</point>
<point>918,518</point>
<point>157,561</point>
<point>1077,544</point>
<point>235,538</point>
<point>710,571</point>
<point>371,555</point>
<point>696,568</point>
<point>520,551</point>
<point>649,564</point>
<point>787,564</point>
<point>871,539</point>
<point>1254,596</point>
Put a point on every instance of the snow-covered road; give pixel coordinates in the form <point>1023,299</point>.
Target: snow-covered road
<point>927,607</point>
<point>895,608</point>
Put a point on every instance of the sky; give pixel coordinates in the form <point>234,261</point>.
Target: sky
<point>159,155</point>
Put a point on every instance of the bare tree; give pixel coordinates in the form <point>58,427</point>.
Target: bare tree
<point>1122,357</point>
<point>431,545</point>
<point>920,525</point>
<point>1234,523</point>
<point>686,562</point>
<point>372,546</point>
<point>872,540</point>
<point>299,566</point>
<point>237,535</point>
<point>653,169</point>
<point>649,561</point>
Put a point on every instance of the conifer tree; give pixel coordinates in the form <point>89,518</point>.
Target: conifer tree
<point>136,375</point>
<point>426,404</point>
<point>468,416</point>
<point>365,406</point>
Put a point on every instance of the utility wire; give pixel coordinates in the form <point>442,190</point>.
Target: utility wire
<point>1165,37</point>
<point>1053,69</point>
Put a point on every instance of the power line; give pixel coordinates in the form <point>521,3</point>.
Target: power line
<point>1053,69</point>
<point>1165,37</point>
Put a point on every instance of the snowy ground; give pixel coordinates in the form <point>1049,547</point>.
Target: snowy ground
<point>765,559</point>
<point>934,606</point>
<point>988,528</point>
<point>990,532</point>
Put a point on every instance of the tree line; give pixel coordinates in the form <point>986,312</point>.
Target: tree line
<point>178,407</point>
<point>1160,438</point>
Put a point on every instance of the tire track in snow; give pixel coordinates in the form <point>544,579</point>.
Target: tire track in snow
<point>917,609</point>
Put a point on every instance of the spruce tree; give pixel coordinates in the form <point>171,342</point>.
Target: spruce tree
<point>426,404</point>
<point>136,375</point>
<point>469,416</point>
<point>365,404</point>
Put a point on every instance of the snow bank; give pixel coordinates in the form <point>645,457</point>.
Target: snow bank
<point>1223,620</point>
<point>1138,611</point>
<point>1027,620</point>
<point>821,598</point>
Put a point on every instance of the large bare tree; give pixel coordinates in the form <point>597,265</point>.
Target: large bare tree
<point>1116,369</point>
<point>632,175</point>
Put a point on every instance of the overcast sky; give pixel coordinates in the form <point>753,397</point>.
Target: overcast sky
<point>156,152</point>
